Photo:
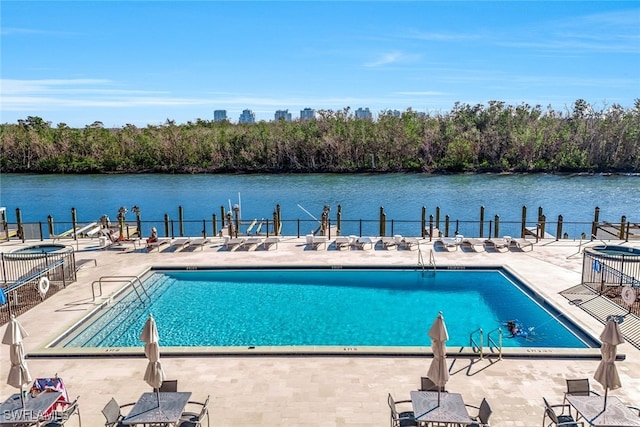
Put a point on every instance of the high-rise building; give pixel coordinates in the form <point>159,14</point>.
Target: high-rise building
<point>282,115</point>
<point>219,115</point>
<point>363,113</point>
<point>247,116</point>
<point>307,114</point>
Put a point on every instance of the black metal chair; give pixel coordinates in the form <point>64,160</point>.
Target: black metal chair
<point>400,419</point>
<point>558,420</point>
<point>59,418</point>
<point>195,419</point>
<point>481,419</point>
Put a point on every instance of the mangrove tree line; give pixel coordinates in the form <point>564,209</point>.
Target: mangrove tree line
<point>470,138</point>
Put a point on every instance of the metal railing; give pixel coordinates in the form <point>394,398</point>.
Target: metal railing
<point>120,279</point>
<point>491,343</point>
<point>476,344</point>
<point>21,273</point>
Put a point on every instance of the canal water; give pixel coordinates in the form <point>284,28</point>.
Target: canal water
<point>302,197</point>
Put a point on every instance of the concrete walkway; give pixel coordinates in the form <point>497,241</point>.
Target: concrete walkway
<point>318,390</point>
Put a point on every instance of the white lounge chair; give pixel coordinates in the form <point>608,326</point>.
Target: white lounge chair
<point>251,243</point>
<point>451,242</point>
<point>364,243</point>
<point>179,244</point>
<point>389,242</point>
<point>472,243</point>
<point>156,245</point>
<point>269,242</point>
<point>497,243</point>
<point>408,243</point>
<point>315,242</point>
<point>200,241</point>
<point>520,243</point>
<point>342,242</point>
<point>232,243</point>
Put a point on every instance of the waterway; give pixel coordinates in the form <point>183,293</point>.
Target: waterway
<point>303,197</point>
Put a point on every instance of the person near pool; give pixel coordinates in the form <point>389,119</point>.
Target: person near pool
<point>513,328</point>
<point>154,236</point>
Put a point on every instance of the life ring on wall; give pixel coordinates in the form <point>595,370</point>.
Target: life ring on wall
<point>43,286</point>
<point>628,295</point>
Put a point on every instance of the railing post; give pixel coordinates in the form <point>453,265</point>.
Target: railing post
<point>423,222</point>
<point>430,228</point>
<point>623,220</point>
<point>524,221</point>
<point>559,228</point>
<point>204,228</point>
<point>214,225</point>
<point>40,227</point>
<point>181,220</point>
<point>74,223</point>
<point>438,217</point>
<point>339,221</point>
<point>19,224</point>
<point>481,221</point>
<point>166,225</point>
<point>446,226</point>
<point>222,217</point>
<point>50,224</point>
<point>275,223</point>
<point>594,225</point>
<point>496,232</point>
<point>383,222</point>
<point>543,226</point>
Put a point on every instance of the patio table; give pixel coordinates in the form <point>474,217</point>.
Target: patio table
<point>451,410</point>
<point>592,410</point>
<point>35,408</point>
<point>147,410</point>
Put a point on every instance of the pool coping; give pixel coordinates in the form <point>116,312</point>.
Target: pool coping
<point>347,351</point>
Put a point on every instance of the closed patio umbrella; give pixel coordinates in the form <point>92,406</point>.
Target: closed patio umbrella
<point>438,370</point>
<point>607,373</point>
<point>19,375</point>
<point>154,375</point>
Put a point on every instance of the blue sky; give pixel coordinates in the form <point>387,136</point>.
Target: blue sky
<point>147,62</point>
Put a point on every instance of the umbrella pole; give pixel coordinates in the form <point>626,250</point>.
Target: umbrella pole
<point>605,398</point>
<point>158,396</point>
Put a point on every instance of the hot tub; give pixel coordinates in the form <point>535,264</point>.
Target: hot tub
<point>45,248</point>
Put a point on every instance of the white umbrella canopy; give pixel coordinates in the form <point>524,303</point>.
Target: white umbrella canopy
<point>607,373</point>
<point>154,375</point>
<point>438,370</point>
<point>19,374</point>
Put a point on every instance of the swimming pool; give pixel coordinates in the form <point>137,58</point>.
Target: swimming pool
<point>380,307</point>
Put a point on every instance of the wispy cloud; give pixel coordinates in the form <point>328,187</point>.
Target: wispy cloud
<point>392,58</point>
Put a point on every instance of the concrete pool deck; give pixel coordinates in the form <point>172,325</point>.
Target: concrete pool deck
<point>307,390</point>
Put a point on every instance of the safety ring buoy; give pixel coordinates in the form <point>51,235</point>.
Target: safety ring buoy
<point>628,295</point>
<point>43,286</point>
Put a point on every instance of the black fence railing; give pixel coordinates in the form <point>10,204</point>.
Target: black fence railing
<point>65,232</point>
<point>30,278</point>
<point>609,271</point>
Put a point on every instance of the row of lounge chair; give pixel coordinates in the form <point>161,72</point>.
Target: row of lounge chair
<point>495,244</point>
<point>177,245</point>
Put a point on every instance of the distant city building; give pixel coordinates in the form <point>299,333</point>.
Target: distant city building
<point>363,113</point>
<point>307,114</point>
<point>219,115</point>
<point>282,115</point>
<point>247,116</point>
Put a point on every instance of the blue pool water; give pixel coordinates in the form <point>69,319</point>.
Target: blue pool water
<point>326,307</point>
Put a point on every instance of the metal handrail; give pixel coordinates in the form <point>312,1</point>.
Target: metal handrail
<point>476,346</point>
<point>115,279</point>
<point>492,344</point>
<point>432,260</point>
<point>420,259</point>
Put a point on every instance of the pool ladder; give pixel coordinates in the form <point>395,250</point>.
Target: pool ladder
<point>476,340</point>
<point>432,260</point>
<point>132,280</point>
